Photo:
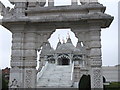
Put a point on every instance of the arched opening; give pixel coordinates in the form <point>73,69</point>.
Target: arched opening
<point>85,83</point>
<point>63,61</point>
<point>62,34</point>
<point>51,60</point>
<point>104,81</point>
<point>78,60</point>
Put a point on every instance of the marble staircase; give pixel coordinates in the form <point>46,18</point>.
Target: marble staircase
<point>55,76</point>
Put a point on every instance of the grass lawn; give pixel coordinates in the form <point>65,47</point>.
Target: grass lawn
<point>113,86</point>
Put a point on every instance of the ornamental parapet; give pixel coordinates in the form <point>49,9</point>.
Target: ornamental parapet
<point>73,14</point>
<point>96,63</point>
<point>21,63</point>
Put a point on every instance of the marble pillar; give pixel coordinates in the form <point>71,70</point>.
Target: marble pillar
<point>95,56</point>
<point>23,61</point>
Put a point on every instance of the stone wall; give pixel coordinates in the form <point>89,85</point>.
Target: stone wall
<point>111,73</point>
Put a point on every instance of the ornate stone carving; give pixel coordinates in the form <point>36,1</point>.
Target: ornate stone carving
<point>97,78</point>
<point>34,24</point>
<point>42,2</point>
<point>7,12</point>
<point>1,7</point>
<point>25,63</point>
<point>63,56</point>
<point>28,78</point>
<point>95,56</point>
<point>96,62</point>
<point>42,37</point>
<point>14,84</point>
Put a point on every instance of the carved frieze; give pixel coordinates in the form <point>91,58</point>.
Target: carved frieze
<point>23,63</point>
<point>28,79</point>
<point>97,75</point>
<point>96,63</point>
<point>14,84</point>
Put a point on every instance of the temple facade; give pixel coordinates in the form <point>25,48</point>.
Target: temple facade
<point>65,65</point>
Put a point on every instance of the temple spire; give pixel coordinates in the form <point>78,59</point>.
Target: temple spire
<point>59,43</point>
<point>63,40</point>
<point>47,45</point>
<point>78,45</point>
<point>59,37</point>
<point>68,38</point>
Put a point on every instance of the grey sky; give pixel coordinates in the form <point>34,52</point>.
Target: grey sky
<point>109,36</point>
<point>119,32</point>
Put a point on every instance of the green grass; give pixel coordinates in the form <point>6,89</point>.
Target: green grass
<point>113,86</point>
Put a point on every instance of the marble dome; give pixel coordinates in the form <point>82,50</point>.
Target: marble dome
<point>67,47</point>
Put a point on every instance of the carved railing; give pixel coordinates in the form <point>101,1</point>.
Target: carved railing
<point>39,75</point>
<point>20,6</point>
<point>72,73</point>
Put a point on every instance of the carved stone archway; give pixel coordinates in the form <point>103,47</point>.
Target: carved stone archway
<point>63,61</point>
<point>31,25</point>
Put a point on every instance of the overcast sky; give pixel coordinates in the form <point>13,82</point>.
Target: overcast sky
<point>109,36</point>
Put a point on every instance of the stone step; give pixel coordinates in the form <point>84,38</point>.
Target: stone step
<point>56,76</point>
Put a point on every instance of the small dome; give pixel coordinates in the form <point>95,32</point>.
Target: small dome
<point>47,49</point>
<point>67,48</point>
<point>51,51</point>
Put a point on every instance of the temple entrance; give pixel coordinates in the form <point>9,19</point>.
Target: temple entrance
<point>63,61</point>
<point>32,25</point>
<point>84,83</point>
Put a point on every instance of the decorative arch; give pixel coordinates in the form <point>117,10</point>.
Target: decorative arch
<point>63,60</point>
<point>78,60</point>
<point>51,59</point>
<point>85,83</point>
<point>32,25</point>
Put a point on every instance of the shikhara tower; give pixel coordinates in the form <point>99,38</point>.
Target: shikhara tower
<point>31,25</point>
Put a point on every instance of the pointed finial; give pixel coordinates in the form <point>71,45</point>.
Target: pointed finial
<point>68,35</point>
<point>59,37</point>
<point>52,46</point>
<point>63,40</point>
